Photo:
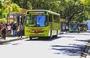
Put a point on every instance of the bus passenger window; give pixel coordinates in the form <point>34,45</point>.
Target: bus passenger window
<point>46,21</point>
<point>56,18</point>
<point>30,21</point>
<point>27,22</point>
<point>50,18</point>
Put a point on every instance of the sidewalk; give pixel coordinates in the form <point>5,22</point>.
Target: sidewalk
<point>10,39</point>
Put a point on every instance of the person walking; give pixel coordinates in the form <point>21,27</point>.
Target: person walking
<point>20,30</point>
<point>14,27</point>
<point>79,28</point>
<point>8,30</point>
<point>0,30</point>
<point>4,32</point>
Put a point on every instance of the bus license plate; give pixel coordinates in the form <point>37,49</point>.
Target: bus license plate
<point>36,33</point>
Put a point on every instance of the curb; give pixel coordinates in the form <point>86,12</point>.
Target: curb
<point>5,41</point>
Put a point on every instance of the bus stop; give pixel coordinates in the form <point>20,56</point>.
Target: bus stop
<point>15,18</point>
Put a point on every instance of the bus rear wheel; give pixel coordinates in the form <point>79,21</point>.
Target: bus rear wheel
<point>55,36</point>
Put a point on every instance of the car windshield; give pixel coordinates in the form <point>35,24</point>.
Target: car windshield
<point>36,21</point>
<point>73,26</point>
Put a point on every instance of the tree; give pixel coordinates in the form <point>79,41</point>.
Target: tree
<point>1,6</point>
<point>38,4</point>
<point>8,6</point>
<point>23,3</point>
<point>68,9</point>
<point>72,10</point>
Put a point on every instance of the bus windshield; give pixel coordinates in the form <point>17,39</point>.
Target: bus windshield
<point>36,21</point>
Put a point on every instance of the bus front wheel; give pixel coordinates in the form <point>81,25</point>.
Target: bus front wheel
<point>30,38</point>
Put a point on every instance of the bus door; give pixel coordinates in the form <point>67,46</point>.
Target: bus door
<point>50,22</point>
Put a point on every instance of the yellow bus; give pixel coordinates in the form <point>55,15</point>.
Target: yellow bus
<point>42,24</point>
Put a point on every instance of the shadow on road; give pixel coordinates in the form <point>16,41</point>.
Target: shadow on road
<point>74,50</point>
<point>6,43</point>
<point>45,39</point>
<point>83,40</point>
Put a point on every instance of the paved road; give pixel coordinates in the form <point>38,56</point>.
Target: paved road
<point>68,45</point>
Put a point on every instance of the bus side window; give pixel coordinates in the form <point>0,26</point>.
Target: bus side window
<point>27,21</point>
<point>50,18</point>
<point>46,20</point>
<point>56,18</point>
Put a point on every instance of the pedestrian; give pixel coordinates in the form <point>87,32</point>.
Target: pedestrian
<point>63,27</point>
<point>20,30</point>
<point>79,29</point>
<point>14,27</point>
<point>66,28</point>
<point>0,29</point>
<point>4,31</point>
<point>8,30</point>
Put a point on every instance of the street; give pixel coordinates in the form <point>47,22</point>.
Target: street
<point>68,45</point>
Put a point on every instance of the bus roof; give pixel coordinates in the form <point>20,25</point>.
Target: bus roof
<point>46,10</point>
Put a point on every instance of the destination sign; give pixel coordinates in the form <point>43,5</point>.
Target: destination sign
<point>37,12</point>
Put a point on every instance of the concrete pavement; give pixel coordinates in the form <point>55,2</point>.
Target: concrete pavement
<point>87,50</point>
<point>68,45</point>
<point>72,44</point>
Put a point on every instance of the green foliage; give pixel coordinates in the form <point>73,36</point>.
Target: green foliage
<point>8,7</point>
<point>85,2</point>
<point>73,10</point>
<point>1,9</point>
<point>23,3</point>
<point>12,8</point>
<point>0,4</point>
<point>3,20</point>
<point>69,9</point>
<point>0,13</point>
